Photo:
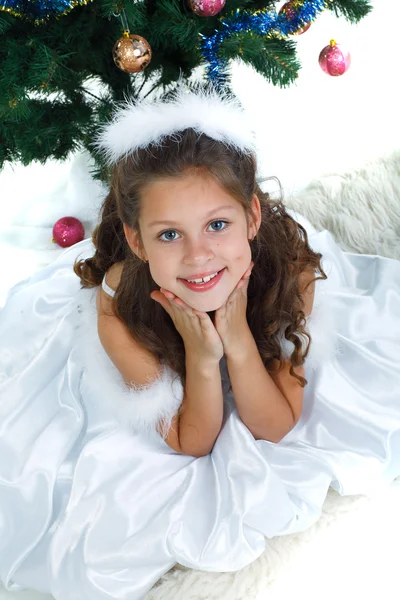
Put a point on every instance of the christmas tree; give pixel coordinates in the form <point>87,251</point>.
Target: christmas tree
<point>54,53</point>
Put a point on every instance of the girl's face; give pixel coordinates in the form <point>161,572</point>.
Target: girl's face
<point>192,228</point>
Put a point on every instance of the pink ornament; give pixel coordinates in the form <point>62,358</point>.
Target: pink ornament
<point>289,9</point>
<point>68,231</point>
<point>206,8</point>
<point>334,60</point>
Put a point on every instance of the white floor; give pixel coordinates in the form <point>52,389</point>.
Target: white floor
<point>320,125</point>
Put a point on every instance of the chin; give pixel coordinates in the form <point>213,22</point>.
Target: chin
<point>207,304</point>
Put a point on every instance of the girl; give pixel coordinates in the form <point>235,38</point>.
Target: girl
<point>201,383</point>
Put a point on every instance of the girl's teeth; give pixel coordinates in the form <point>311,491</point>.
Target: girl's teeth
<point>203,280</point>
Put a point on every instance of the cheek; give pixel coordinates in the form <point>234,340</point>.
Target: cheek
<point>159,275</point>
<point>163,271</point>
<point>158,267</point>
<point>243,257</point>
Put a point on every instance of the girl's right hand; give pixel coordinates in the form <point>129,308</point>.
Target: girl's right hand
<point>199,335</point>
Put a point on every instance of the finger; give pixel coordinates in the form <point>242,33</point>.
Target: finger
<point>160,298</point>
<point>176,301</point>
<point>244,281</point>
<point>204,320</point>
<point>203,316</point>
<point>167,294</point>
<point>180,303</point>
<point>172,299</point>
<point>220,313</point>
<point>249,270</point>
<point>241,284</point>
<point>157,296</point>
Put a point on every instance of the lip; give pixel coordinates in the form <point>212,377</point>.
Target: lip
<point>204,287</point>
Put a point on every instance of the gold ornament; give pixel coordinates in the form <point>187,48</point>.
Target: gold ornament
<point>131,53</point>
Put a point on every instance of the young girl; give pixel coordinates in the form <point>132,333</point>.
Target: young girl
<point>201,383</point>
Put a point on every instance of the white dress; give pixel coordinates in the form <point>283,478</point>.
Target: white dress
<point>91,508</point>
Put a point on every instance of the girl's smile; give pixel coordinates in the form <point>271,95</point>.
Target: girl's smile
<point>204,282</point>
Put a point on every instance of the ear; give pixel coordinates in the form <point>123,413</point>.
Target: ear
<point>134,242</point>
<point>255,217</point>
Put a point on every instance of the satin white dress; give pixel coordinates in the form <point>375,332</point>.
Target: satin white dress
<point>90,508</point>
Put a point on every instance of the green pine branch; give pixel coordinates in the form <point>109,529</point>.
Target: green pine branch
<point>272,57</point>
<point>58,80</point>
<point>352,10</point>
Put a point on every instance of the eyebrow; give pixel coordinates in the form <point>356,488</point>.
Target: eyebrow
<point>219,209</point>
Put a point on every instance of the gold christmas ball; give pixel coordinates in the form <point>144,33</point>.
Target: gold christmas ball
<point>132,53</point>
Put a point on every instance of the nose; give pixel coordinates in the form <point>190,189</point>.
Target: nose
<point>197,252</point>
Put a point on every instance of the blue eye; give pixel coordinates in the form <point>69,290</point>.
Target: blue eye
<point>172,231</point>
<point>167,233</point>
<point>220,229</point>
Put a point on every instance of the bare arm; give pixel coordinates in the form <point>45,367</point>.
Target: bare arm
<point>272,404</point>
<point>202,408</point>
<point>261,405</point>
<point>194,430</point>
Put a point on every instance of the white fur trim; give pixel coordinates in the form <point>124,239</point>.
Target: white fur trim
<point>325,345</point>
<point>143,407</point>
<point>136,125</point>
<point>139,408</point>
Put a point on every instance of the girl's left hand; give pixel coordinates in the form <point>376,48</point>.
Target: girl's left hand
<point>230,319</point>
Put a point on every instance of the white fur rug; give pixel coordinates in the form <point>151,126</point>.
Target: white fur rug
<point>351,552</point>
<point>360,208</point>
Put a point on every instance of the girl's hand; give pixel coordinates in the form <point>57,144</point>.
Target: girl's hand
<point>199,335</point>
<point>230,318</point>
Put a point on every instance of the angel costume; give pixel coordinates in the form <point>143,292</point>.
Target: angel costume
<point>94,504</point>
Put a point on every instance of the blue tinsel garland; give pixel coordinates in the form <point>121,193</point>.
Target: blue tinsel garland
<point>39,10</point>
<point>260,23</point>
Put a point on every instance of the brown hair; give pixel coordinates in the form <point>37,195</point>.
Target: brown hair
<point>280,251</point>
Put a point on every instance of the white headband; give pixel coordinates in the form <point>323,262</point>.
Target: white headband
<point>136,125</point>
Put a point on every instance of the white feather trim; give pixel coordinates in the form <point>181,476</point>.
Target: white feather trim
<point>136,125</point>
<point>140,408</point>
<point>325,345</point>
<point>144,407</point>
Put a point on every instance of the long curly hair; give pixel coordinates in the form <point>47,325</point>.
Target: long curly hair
<point>280,251</point>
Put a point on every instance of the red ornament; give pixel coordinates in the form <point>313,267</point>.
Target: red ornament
<point>334,60</point>
<point>206,8</point>
<point>68,231</point>
<point>289,10</point>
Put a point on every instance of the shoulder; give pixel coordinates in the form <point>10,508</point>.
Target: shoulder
<point>113,275</point>
<point>134,362</point>
<point>104,302</point>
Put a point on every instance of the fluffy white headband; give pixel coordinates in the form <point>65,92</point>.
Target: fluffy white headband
<point>136,125</point>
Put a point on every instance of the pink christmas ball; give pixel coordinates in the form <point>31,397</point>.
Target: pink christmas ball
<point>334,60</point>
<point>68,231</point>
<point>289,9</point>
<point>206,8</point>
